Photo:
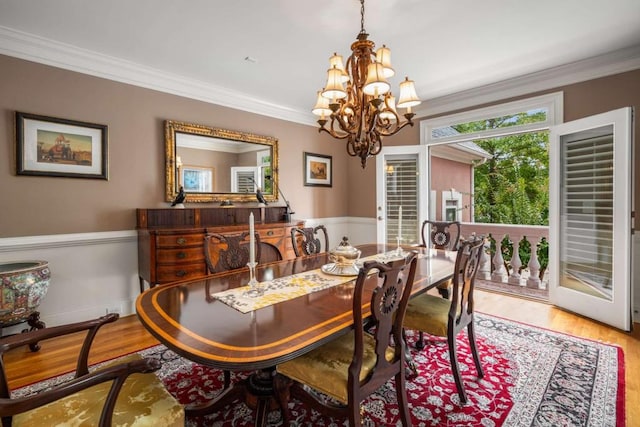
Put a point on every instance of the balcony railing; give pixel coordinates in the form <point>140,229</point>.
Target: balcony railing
<point>508,257</point>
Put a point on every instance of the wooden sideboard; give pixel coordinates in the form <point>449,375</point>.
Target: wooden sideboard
<point>171,241</point>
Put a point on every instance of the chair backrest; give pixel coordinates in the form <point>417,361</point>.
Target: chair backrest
<point>467,264</point>
<point>388,305</point>
<point>269,252</point>
<point>306,241</point>
<point>441,234</point>
<point>224,252</point>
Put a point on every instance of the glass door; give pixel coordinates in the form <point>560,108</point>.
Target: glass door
<point>399,201</point>
<point>590,229</point>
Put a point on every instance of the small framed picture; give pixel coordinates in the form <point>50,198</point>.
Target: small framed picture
<point>317,170</point>
<point>49,146</point>
<point>196,179</point>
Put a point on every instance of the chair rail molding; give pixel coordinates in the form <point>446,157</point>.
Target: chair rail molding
<point>91,273</point>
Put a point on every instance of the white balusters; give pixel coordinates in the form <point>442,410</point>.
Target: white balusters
<point>533,281</point>
<point>516,263</point>
<point>484,269</point>
<point>499,273</point>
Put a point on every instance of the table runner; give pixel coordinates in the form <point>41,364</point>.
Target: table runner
<point>289,287</point>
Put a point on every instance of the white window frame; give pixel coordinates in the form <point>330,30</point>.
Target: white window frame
<point>552,102</point>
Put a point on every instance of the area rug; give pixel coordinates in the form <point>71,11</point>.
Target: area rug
<point>533,377</point>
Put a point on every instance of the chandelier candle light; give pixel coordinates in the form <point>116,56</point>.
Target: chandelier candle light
<point>364,111</point>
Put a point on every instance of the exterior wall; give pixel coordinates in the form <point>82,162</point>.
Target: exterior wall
<point>447,174</point>
<point>135,117</point>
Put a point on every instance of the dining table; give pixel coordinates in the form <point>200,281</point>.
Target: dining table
<point>195,319</point>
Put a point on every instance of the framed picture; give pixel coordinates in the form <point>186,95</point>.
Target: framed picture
<point>317,170</point>
<point>196,179</point>
<point>50,146</point>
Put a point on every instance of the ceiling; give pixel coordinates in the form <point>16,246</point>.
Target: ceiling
<point>271,56</point>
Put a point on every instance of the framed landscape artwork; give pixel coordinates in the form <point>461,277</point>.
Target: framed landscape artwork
<point>317,170</point>
<point>49,146</point>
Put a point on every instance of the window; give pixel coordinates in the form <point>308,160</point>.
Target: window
<point>510,185</point>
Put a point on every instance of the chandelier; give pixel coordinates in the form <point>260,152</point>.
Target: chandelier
<point>365,110</point>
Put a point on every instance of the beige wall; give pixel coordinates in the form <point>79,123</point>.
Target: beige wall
<point>580,100</point>
<point>135,116</point>
<point>449,174</point>
<point>45,205</point>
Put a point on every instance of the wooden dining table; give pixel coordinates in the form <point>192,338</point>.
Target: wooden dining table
<point>187,317</point>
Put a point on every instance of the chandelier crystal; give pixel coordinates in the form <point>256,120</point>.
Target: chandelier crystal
<point>365,110</point>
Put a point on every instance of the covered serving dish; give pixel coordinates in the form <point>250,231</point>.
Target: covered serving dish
<point>343,260</point>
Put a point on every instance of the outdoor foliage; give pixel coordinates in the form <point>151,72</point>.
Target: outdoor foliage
<point>512,187</point>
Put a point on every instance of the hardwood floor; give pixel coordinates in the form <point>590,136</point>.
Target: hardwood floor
<point>128,335</point>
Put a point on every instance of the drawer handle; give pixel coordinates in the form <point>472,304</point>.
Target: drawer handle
<point>181,240</point>
<point>270,233</point>
<point>181,273</point>
<point>181,255</point>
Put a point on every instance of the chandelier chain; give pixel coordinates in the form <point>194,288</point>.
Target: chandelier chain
<point>362,16</point>
<point>364,111</point>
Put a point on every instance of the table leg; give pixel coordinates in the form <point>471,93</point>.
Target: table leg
<point>256,391</point>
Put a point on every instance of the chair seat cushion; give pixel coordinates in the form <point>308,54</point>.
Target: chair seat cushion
<point>326,368</point>
<point>429,314</point>
<point>143,401</point>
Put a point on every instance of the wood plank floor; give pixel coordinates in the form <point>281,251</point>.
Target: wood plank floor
<point>128,335</point>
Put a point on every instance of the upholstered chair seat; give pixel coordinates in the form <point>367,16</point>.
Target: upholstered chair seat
<point>143,401</point>
<point>326,369</point>
<point>428,313</point>
<point>125,392</point>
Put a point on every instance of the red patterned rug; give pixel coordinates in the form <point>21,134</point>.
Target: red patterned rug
<point>532,377</point>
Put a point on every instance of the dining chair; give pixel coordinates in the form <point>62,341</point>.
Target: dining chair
<point>307,240</point>
<point>269,253</point>
<point>223,252</point>
<point>441,235</point>
<point>441,317</point>
<point>351,367</point>
<point>123,392</point>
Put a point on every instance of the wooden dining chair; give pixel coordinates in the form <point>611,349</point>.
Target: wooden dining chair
<point>441,317</point>
<point>269,253</point>
<point>309,240</point>
<point>358,363</point>
<point>441,235</point>
<point>223,252</point>
<point>123,392</point>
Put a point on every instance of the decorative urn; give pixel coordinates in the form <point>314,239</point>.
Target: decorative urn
<point>23,285</point>
<point>343,259</point>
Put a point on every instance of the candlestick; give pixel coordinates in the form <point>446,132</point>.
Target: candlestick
<point>252,243</point>
<point>400,221</point>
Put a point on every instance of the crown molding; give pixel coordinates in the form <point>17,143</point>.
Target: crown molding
<point>615,62</point>
<point>61,55</point>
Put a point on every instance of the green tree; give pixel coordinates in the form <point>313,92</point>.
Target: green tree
<point>512,187</point>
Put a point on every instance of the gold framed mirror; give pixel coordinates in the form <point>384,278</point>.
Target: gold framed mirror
<point>214,165</point>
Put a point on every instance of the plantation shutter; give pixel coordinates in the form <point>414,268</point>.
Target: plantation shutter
<point>402,190</point>
<point>586,203</point>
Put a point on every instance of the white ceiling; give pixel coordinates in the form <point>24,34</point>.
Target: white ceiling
<point>198,47</point>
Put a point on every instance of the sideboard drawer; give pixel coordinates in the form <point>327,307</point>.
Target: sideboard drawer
<point>180,255</point>
<point>179,240</point>
<point>271,233</point>
<point>172,273</point>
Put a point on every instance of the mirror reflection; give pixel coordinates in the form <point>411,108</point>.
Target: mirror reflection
<point>213,164</point>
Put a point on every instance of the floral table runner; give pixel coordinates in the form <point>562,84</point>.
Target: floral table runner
<point>288,287</point>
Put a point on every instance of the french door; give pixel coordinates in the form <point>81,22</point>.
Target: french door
<point>591,199</point>
<point>402,193</point>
